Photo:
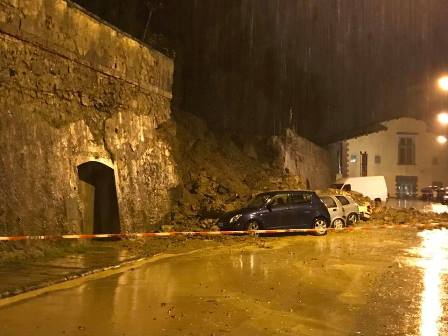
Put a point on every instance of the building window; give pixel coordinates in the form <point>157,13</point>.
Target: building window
<point>435,161</point>
<point>377,159</point>
<point>353,158</point>
<point>406,151</point>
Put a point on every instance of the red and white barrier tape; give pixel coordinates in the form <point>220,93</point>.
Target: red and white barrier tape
<point>154,234</point>
<point>398,226</point>
<point>218,233</point>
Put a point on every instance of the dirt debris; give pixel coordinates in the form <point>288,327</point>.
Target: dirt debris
<point>222,173</point>
<point>218,173</point>
<point>388,215</point>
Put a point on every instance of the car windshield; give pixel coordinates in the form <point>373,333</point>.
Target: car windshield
<point>258,201</point>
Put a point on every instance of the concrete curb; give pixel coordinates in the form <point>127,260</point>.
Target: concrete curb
<point>72,276</point>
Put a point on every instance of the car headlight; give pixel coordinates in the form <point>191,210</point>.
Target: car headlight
<point>235,218</point>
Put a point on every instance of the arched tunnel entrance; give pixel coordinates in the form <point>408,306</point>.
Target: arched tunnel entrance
<point>99,196</point>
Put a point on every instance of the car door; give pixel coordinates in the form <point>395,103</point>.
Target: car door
<point>334,207</point>
<point>352,206</point>
<point>345,204</point>
<point>277,206</point>
<point>300,212</point>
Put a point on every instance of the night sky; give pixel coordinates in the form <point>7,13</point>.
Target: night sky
<point>327,68</point>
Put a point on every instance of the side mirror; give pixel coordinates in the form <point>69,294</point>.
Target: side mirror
<point>269,207</point>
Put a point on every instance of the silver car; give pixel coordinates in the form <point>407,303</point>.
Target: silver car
<point>351,209</point>
<point>336,211</point>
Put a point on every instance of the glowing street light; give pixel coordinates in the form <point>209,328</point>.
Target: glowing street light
<point>443,83</point>
<point>442,118</point>
<point>441,139</point>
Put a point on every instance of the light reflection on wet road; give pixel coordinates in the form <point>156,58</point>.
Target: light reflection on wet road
<point>432,258</point>
<point>364,283</point>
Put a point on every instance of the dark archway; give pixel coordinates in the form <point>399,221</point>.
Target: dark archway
<point>104,203</point>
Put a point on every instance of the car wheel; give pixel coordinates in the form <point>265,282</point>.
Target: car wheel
<point>253,226</point>
<point>320,225</point>
<point>352,218</point>
<point>338,224</point>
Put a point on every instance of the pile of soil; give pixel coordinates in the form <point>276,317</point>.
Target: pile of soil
<point>218,173</point>
<point>388,215</point>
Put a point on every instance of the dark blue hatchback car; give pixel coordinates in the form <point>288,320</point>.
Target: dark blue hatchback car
<point>279,210</point>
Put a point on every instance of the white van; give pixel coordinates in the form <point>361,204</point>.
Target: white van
<point>373,187</point>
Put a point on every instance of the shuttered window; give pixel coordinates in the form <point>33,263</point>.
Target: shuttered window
<point>406,151</point>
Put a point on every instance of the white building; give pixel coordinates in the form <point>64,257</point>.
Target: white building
<point>406,154</point>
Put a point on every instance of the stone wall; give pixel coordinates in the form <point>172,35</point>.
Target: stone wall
<point>301,157</point>
<point>73,90</point>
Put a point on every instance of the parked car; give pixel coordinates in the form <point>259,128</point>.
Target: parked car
<point>336,211</point>
<point>429,193</point>
<point>351,209</point>
<point>279,210</point>
<point>373,187</point>
<point>435,194</point>
<point>365,211</point>
<point>443,197</point>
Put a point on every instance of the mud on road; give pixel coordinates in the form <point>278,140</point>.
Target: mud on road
<point>360,283</point>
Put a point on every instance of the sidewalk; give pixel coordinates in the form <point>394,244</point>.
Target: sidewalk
<point>25,275</point>
<point>62,263</point>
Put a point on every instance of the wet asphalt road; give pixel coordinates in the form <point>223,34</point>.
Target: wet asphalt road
<point>363,283</point>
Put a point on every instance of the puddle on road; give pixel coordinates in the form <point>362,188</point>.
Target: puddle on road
<point>431,257</point>
<point>289,286</point>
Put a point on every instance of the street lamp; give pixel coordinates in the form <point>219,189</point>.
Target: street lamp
<point>442,118</point>
<point>443,83</point>
<point>441,139</point>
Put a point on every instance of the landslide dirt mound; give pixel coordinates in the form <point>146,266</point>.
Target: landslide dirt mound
<point>218,173</point>
<point>388,215</point>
